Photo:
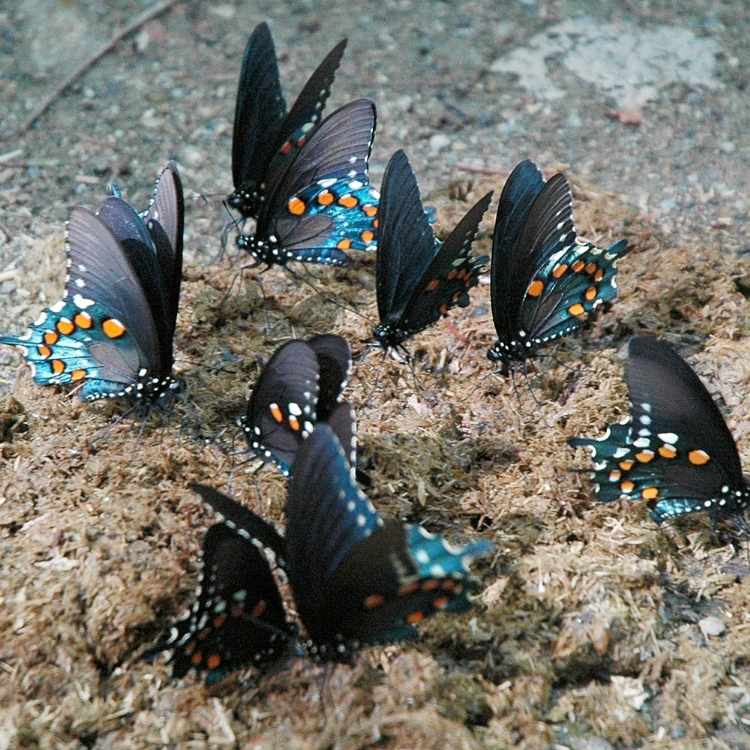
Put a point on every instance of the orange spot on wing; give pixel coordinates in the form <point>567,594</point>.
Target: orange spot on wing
<point>213,661</point>
<point>698,457</point>
<point>196,658</point>
<point>591,293</point>
<point>430,585</point>
<point>645,456</point>
<point>58,366</point>
<point>599,275</point>
<point>667,451</point>
<point>627,464</point>
<point>65,326</point>
<point>259,608</point>
<point>374,600</point>
<point>50,337</point>
<point>369,209</point>
<point>615,475</point>
<point>83,320</point>
<point>348,201</point>
<point>77,375</point>
<point>325,198</point>
<point>591,268</point>
<point>376,223</point>
<point>44,351</point>
<point>627,486</point>
<point>650,493</point>
<point>443,309</point>
<point>294,423</point>
<point>432,286</point>
<point>535,288</point>
<point>577,310</point>
<point>344,244</point>
<point>286,148</point>
<point>448,585</point>
<point>415,617</point>
<point>296,206</point>
<point>367,236</point>
<point>112,328</point>
<point>578,266</point>
<point>408,588</point>
<point>219,620</point>
<point>441,602</point>
<point>276,413</point>
<point>560,270</point>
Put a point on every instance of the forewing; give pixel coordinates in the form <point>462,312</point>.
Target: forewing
<point>282,408</point>
<point>519,192</point>
<point>259,111</point>
<point>406,244</point>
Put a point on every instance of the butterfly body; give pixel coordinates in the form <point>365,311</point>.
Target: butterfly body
<point>322,204</point>
<point>674,451</point>
<point>267,137</point>
<point>418,278</point>
<point>112,332</point>
<point>546,282</point>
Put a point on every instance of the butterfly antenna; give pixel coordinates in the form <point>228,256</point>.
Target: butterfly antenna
<point>528,384</point>
<point>228,225</point>
<point>381,368</point>
<point>302,277</point>
<point>484,377</point>
<point>203,366</point>
<point>413,366</point>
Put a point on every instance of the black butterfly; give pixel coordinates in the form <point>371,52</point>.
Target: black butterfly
<point>675,451</point>
<point>545,281</point>
<point>113,329</point>
<point>266,136</point>
<point>321,203</point>
<point>238,617</point>
<point>356,579</point>
<point>301,384</point>
<point>418,278</point>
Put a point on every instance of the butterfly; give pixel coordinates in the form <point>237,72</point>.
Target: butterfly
<point>356,578</point>
<point>321,204</point>
<point>266,136</point>
<point>545,281</point>
<point>675,451</point>
<point>301,385</point>
<point>238,617</point>
<point>112,332</point>
<point>418,278</point>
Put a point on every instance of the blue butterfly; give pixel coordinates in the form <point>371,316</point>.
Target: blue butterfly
<point>112,332</point>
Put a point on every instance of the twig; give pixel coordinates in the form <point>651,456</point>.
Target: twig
<point>481,170</point>
<point>135,24</point>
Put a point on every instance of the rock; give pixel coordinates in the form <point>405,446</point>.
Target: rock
<point>438,142</point>
<point>711,626</point>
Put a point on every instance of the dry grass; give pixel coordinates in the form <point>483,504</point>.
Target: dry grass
<point>589,621</point>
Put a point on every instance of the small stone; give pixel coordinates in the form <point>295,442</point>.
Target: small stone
<point>192,155</point>
<point>727,147</point>
<point>438,142</point>
<point>224,10</point>
<point>711,626</point>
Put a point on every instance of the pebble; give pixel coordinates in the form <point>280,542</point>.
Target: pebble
<point>438,142</point>
<point>727,147</point>
<point>711,626</point>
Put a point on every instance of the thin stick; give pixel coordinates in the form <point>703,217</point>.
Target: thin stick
<point>134,25</point>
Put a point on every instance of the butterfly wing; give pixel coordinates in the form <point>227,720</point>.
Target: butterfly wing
<point>102,332</point>
<point>676,450</point>
<point>354,577</point>
<point>344,425</point>
<point>259,113</point>
<point>521,188</point>
<point>282,408</point>
<point>165,220</point>
<point>334,366</point>
<point>323,203</point>
<point>244,522</point>
<point>450,276</point>
<point>238,617</point>
<point>305,114</point>
<point>406,244</point>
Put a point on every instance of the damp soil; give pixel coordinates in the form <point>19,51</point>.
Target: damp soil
<point>593,628</point>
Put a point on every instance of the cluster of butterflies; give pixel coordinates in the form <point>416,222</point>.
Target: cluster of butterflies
<point>302,180</point>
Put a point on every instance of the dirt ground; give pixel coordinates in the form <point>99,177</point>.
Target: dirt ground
<point>594,629</point>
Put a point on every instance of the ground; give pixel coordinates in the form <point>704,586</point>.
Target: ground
<point>594,629</point>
